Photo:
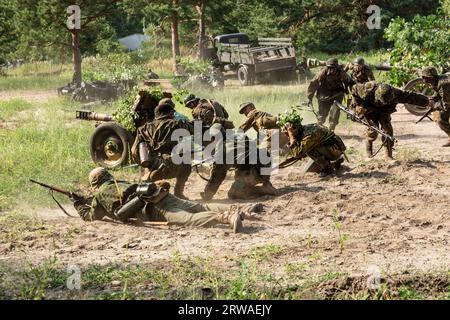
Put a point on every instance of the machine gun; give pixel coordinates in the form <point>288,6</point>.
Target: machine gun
<point>363,121</point>
<point>52,189</point>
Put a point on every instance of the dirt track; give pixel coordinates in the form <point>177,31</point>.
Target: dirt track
<point>394,216</point>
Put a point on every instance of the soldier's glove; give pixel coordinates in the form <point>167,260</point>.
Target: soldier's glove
<point>75,198</point>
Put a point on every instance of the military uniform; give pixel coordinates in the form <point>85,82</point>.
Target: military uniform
<point>320,144</point>
<point>111,196</point>
<point>210,112</point>
<point>262,121</point>
<point>329,87</point>
<point>360,76</point>
<point>376,102</point>
<point>157,134</point>
<point>442,98</point>
<point>249,181</point>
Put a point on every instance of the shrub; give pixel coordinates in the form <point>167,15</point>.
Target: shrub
<point>421,42</point>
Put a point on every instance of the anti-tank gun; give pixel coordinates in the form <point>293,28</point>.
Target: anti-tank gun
<point>110,143</point>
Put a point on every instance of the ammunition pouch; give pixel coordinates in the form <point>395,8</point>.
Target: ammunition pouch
<point>129,209</point>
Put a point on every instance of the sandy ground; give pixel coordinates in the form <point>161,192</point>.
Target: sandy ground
<point>392,216</point>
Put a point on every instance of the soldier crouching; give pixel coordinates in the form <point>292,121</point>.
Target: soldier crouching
<point>315,141</point>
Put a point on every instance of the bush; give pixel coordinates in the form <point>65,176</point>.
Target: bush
<point>114,67</point>
<point>419,43</point>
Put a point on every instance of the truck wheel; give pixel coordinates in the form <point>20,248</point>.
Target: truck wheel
<point>245,75</point>
<point>110,145</point>
<point>418,86</point>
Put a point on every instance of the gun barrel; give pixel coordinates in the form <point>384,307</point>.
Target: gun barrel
<point>67,193</point>
<point>93,116</point>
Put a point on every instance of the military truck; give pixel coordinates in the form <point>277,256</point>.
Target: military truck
<point>270,57</point>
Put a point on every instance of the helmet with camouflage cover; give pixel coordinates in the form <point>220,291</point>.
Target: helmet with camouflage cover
<point>167,101</point>
<point>163,110</point>
<point>189,99</point>
<point>429,72</point>
<point>384,94</point>
<point>364,90</point>
<point>333,63</point>
<point>359,61</point>
<point>98,176</point>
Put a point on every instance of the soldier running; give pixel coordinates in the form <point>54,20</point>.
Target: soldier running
<point>330,84</point>
<point>440,101</point>
<point>121,200</point>
<point>360,72</point>
<point>376,102</point>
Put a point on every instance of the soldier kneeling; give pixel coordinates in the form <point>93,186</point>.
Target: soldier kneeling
<point>324,147</point>
<point>120,200</point>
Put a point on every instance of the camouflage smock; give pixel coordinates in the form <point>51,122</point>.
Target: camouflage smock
<point>360,76</point>
<point>158,134</point>
<point>443,92</point>
<point>310,137</point>
<point>108,198</point>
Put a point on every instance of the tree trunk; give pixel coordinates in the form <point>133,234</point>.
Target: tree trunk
<point>76,57</point>
<point>201,29</point>
<point>175,37</point>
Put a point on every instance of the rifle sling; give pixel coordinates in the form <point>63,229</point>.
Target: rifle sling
<point>60,206</point>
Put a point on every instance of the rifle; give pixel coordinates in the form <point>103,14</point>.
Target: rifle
<point>430,110</point>
<point>69,194</point>
<point>426,115</point>
<point>310,106</point>
<point>363,121</point>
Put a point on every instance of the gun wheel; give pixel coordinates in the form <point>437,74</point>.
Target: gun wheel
<point>418,86</point>
<point>110,145</point>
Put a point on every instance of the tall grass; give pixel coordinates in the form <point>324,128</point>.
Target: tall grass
<point>38,75</point>
<point>46,145</point>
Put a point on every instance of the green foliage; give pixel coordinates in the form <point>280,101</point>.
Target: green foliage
<point>194,66</point>
<point>10,108</point>
<point>124,108</point>
<point>113,67</point>
<point>419,43</point>
<point>124,114</point>
<point>291,116</point>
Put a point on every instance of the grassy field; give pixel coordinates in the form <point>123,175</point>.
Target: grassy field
<point>36,76</point>
<point>196,277</point>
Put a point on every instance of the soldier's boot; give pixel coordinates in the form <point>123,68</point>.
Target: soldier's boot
<point>233,219</point>
<point>179,189</point>
<point>338,163</point>
<point>332,126</point>
<point>446,145</point>
<point>267,189</point>
<point>326,172</point>
<point>388,152</point>
<point>369,148</point>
